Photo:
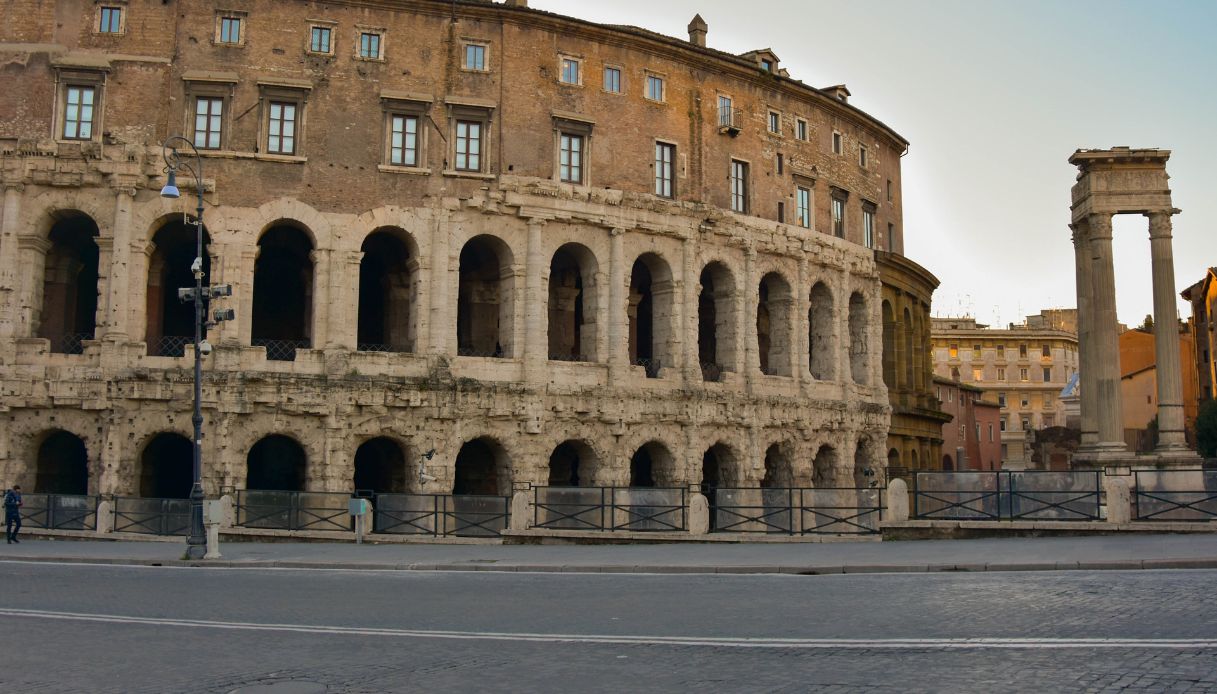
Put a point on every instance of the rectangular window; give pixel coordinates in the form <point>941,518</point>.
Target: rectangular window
<point>1001,424</point>
<point>665,155</point>
<point>800,129</point>
<point>1022,351</point>
<point>78,113</point>
<point>868,228</point>
<point>1022,375</point>
<point>403,140</point>
<point>230,30</point>
<point>862,156</point>
<point>739,186</point>
<point>775,122</point>
<point>953,351</point>
<point>781,163</point>
<point>726,114</point>
<point>978,374</point>
<point>320,40</point>
<point>1046,351</point>
<point>1049,420</point>
<point>838,219</point>
<point>1001,351</point>
<point>468,145</point>
<point>612,80</point>
<point>804,199</point>
<point>111,20</point>
<point>976,352</point>
<point>208,120</point>
<point>836,143</point>
<point>570,71</point>
<point>281,137</point>
<point>570,159</point>
<point>1047,374</point>
<point>475,57</point>
<point>369,46</point>
<point>781,212</point>
<point>655,88</point>
<point>1026,423</point>
<point>1001,373</point>
<point>1001,397</point>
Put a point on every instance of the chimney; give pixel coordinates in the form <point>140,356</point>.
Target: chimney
<point>516,3</point>
<point>697,31</point>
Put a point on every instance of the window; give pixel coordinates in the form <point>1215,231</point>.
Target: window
<point>838,217</point>
<point>954,377</point>
<point>319,40</point>
<point>775,122</point>
<point>1046,351</point>
<point>781,212</point>
<point>939,393</point>
<point>1049,420</point>
<point>978,431</point>
<point>612,80</point>
<point>978,374</point>
<point>468,145</point>
<point>229,31</point>
<point>570,71</point>
<point>1047,374</point>
<point>1001,399</point>
<point>951,391</point>
<point>110,20</point>
<point>862,156</point>
<point>655,88</point>
<point>475,57</point>
<point>780,161</point>
<point>281,133</point>
<point>1022,351</point>
<point>403,140</point>
<point>1001,373</point>
<point>369,45</point>
<point>953,351</point>
<point>1026,421</point>
<point>665,155</point>
<point>1048,400</point>
<point>889,190</point>
<point>803,196</point>
<point>1001,351</point>
<point>739,186</point>
<point>726,114</point>
<point>1024,402</point>
<point>1022,375</point>
<point>836,143</point>
<point>868,227</point>
<point>766,65</point>
<point>1001,424</point>
<point>570,158</point>
<point>208,121</point>
<point>800,129</point>
<point>976,351</point>
<point>78,113</point>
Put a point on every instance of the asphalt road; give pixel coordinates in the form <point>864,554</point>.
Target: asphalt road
<point>160,629</point>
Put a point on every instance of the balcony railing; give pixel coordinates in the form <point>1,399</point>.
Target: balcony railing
<point>280,350</point>
<point>170,346</point>
<point>730,120</point>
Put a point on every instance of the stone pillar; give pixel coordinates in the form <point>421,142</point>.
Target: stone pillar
<point>1087,370</point>
<point>1171,440</point>
<point>343,330</point>
<point>692,362</point>
<point>1105,338</point>
<point>242,281</point>
<point>319,334</point>
<point>119,295</point>
<point>536,313</point>
<point>9,259</point>
<point>752,360</point>
<point>802,331</point>
<point>442,329</point>
<point>618,347</point>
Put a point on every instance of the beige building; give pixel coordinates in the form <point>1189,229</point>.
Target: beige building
<point>1023,368</point>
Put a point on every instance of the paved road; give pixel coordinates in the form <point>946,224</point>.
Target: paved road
<point>149,629</point>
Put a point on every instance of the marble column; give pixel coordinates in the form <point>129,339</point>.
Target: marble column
<point>1087,369</point>
<point>536,313</point>
<point>1171,439</point>
<point>618,347</point>
<point>1105,337</point>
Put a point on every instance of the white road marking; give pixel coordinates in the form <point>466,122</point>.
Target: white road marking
<point>629,640</point>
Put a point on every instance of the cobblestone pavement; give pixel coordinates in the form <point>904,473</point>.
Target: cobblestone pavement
<point>490,620</point>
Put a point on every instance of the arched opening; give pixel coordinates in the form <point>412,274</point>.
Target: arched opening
<point>719,468</point>
<point>166,467</point>
<point>276,463</point>
<point>914,462</point>
<point>889,346</point>
<point>386,292</point>
<point>484,299</point>
<point>866,462</point>
<point>650,314</point>
<point>652,465</point>
<point>171,321</point>
<point>820,320</point>
<point>380,467</point>
<point>62,466</point>
<point>482,469</point>
<point>906,353</point>
<point>779,469</point>
<point>572,464</point>
<point>773,325</point>
<point>572,304</point>
<point>947,463</point>
<point>69,285</point>
<point>283,293</point>
<point>716,321</point>
<point>824,468</point>
<point>858,348</point>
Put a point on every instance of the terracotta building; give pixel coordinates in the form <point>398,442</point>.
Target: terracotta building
<point>1203,327</point>
<point>546,250</point>
<point>1139,386</point>
<point>972,439</point>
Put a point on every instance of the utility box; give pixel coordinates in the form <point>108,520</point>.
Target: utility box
<point>358,507</point>
<point>214,511</point>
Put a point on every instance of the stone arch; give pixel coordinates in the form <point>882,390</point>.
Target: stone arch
<point>308,220</point>
<point>773,324</point>
<point>485,298</point>
<point>483,468</point>
<point>824,469</point>
<point>282,318</point>
<point>388,301</point>
<point>893,458</point>
<point>908,339</point>
<point>947,463</point>
<point>779,467</point>
<point>169,324</point>
<point>652,465</point>
<point>69,297</point>
<point>859,362</point>
<point>276,462</point>
<point>716,321</point>
<point>572,304</point>
<point>914,462</point>
<point>650,311</point>
<point>889,346</point>
<point>166,467</point>
<point>62,464</point>
<point>573,463</point>
<point>821,318</point>
<point>381,466</point>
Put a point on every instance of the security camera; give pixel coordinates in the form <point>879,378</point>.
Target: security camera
<point>429,454</point>
<point>197,265</point>
<point>205,348</point>
<point>424,477</point>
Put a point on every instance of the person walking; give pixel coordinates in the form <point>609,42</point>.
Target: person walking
<point>12,513</point>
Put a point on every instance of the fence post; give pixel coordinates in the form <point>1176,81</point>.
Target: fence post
<point>104,522</point>
<point>228,518</point>
<point>699,514</point>
<point>519,511</point>
<point>1119,500</point>
<point>897,500</point>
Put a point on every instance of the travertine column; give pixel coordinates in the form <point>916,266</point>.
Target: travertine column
<point>752,360</point>
<point>1166,337</point>
<point>9,289</point>
<point>344,297</point>
<point>242,281</point>
<point>441,328</point>
<point>536,314</point>
<point>1105,337</point>
<point>319,335</point>
<point>692,361</point>
<point>118,272</point>
<point>801,339</point>
<point>618,344</point>
<point>1087,370</point>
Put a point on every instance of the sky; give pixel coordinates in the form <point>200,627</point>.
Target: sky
<point>995,95</point>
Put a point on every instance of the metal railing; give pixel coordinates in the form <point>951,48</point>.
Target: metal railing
<point>170,346</point>
<point>377,347</point>
<point>1175,495</point>
<point>496,353</point>
<point>59,511</point>
<point>1023,495</point>
<point>652,366</point>
<point>280,350</point>
<point>70,343</point>
<point>284,510</point>
<point>730,118</point>
<point>797,511</point>
<point>441,515</point>
<point>559,356</point>
<point>151,516</point>
<point>636,509</point>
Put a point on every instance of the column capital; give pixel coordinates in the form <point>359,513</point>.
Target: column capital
<point>17,186</point>
<point>1159,224</point>
<point>617,231</point>
<point>1099,225</point>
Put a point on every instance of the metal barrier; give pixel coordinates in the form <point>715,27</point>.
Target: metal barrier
<point>1023,495</point>
<point>282,510</point>
<point>1175,495</point>
<point>797,511</point>
<point>280,350</point>
<point>637,509</point>
<point>59,511</point>
<point>441,515</point>
<point>170,346</point>
<point>152,516</point>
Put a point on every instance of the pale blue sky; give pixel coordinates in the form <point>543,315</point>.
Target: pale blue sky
<point>994,97</point>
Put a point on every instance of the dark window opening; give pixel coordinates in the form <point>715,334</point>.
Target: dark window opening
<point>386,293</point>
<point>380,467</point>
<point>69,289</point>
<point>484,303</point>
<point>283,293</point>
<point>276,463</point>
<point>62,466</point>
<point>171,321</point>
<point>167,467</point>
<point>572,307</point>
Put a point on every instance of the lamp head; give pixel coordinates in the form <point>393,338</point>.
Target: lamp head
<point>170,190</point>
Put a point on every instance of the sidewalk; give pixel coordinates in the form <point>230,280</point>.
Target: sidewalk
<point>1003,554</point>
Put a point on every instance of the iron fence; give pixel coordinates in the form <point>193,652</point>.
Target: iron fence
<point>797,511</point>
<point>170,346</point>
<point>1008,495</point>
<point>1175,495</point>
<point>284,510</point>
<point>70,343</point>
<point>566,356</point>
<point>496,353</point>
<point>441,515</point>
<point>638,509</point>
<point>59,511</point>
<point>151,516</point>
<point>651,366</point>
<point>280,350</point>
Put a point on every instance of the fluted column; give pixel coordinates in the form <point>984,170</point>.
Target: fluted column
<point>618,347</point>
<point>1166,337</point>
<point>1087,370</point>
<point>1105,336</point>
<point>536,315</point>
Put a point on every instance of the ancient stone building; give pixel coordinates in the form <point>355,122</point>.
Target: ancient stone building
<point>545,250</point>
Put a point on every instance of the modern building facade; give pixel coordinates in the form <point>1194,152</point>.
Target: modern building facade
<point>971,440</point>
<point>514,247</point>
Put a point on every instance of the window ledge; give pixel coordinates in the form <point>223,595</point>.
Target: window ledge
<point>452,173</point>
<point>362,59</point>
<point>284,158</point>
<point>225,154</point>
<point>408,170</point>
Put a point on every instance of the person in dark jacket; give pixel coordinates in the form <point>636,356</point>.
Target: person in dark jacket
<point>12,513</point>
